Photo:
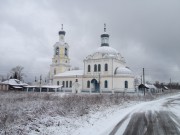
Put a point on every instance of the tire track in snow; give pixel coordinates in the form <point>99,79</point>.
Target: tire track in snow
<point>148,123</point>
<point>115,129</point>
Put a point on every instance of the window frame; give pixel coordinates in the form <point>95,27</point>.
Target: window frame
<point>95,68</point>
<point>105,84</point>
<point>106,67</point>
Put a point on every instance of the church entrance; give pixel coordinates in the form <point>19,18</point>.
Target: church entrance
<point>95,85</point>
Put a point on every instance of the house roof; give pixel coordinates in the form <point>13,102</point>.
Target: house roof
<point>142,86</point>
<point>71,73</point>
<point>150,86</point>
<point>15,82</point>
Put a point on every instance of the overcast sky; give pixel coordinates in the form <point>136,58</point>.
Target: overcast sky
<point>145,32</point>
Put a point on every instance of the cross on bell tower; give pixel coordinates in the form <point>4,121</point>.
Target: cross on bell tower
<point>60,60</point>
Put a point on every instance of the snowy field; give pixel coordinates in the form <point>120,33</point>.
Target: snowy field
<point>24,113</point>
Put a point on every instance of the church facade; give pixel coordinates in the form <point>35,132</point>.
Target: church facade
<point>104,70</point>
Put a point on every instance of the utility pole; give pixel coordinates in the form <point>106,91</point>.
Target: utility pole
<point>144,81</point>
<point>170,84</point>
<point>40,82</point>
<point>141,79</point>
<point>99,83</point>
<point>40,79</point>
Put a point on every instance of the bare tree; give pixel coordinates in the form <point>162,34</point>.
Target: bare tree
<point>17,73</point>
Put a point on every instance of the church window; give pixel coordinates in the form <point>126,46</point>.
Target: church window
<point>57,51</point>
<point>126,84</point>
<point>105,84</point>
<point>66,84</point>
<point>89,68</point>
<point>88,84</point>
<point>54,71</point>
<point>66,52</point>
<point>99,67</point>
<point>57,82</point>
<point>70,84</point>
<point>63,83</point>
<point>106,67</point>
<point>95,68</point>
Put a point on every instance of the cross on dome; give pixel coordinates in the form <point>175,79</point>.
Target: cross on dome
<point>61,26</point>
<point>104,27</point>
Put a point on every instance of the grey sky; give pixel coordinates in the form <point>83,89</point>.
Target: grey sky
<point>146,33</point>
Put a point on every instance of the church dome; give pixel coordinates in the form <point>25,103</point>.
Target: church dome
<point>106,50</point>
<point>123,71</point>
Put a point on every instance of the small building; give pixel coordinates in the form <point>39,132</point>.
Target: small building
<point>14,84</point>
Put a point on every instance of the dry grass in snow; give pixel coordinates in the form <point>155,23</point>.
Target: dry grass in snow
<point>24,113</point>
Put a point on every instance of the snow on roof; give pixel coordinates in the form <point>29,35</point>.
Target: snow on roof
<point>123,71</point>
<point>52,86</point>
<point>15,82</point>
<point>17,87</point>
<point>106,50</point>
<point>151,86</point>
<point>71,73</point>
<point>45,86</point>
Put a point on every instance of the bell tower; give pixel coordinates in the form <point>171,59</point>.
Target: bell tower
<point>60,60</point>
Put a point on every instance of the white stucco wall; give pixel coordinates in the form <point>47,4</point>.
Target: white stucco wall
<point>68,78</point>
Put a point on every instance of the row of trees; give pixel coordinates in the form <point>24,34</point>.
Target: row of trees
<point>172,85</point>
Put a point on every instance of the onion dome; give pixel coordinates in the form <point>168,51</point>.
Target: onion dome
<point>62,32</point>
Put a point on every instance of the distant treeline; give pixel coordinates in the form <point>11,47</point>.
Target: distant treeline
<point>172,85</point>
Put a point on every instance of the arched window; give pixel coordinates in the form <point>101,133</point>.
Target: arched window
<point>95,68</point>
<point>126,84</point>
<point>105,84</point>
<point>57,51</point>
<point>66,84</point>
<point>66,52</point>
<point>88,84</point>
<point>106,67</point>
<point>99,67</point>
<point>54,71</point>
<point>70,84</point>
<point>89,68</point>
<point>63,83</point>
<point>57,82</point>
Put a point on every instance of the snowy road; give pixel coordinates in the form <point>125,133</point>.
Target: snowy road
<point>159,117</point>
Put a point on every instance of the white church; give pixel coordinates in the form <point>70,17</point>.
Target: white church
<point>104,70</point>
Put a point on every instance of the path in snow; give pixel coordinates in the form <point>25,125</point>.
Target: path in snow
<point>152,121</point>
<point>158,117</point>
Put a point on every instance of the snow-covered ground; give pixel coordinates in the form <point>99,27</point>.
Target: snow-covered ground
<point>64,114</point>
